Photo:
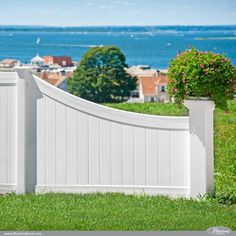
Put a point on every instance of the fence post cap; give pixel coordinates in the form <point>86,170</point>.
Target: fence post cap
<point>199,104</point>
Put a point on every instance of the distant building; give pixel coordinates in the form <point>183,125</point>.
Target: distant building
<point>9,63</point>
<point>64,61</point>
<point>141,71</point>
<point>37,61</point>
<point>151,84</point>
<point>161,86</point>
<point>63,84</point>
<point>153,89</point>
<point>57,79</point>
<point>48,60</point>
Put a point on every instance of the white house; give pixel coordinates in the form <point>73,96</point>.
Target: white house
<point>9,63</point>
<point>141,71</point>
<point>37,60</point>
<point>153,88</point>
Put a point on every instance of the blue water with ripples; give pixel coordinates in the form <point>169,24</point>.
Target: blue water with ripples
<point>154,45</point>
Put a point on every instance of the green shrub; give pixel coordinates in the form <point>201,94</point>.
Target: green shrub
<point>202,74</point>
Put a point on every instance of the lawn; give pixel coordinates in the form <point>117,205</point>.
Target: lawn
<point>225,155</point>
<point>111,212</point>
<point>120,212</point>
<point>167,109</point>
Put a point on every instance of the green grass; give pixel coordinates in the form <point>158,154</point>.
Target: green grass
<point>225,154</point>
<point>111,212</point>
<point>167,109</point>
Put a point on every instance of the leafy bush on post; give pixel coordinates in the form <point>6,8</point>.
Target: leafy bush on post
<point>202,74</point>
<point>101,76</point>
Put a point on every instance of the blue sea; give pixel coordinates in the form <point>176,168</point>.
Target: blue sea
<point>151,45</point>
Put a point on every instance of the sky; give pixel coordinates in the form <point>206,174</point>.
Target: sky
<point>117,12</point>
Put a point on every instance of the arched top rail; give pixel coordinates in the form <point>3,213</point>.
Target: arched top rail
<point>114,115</point>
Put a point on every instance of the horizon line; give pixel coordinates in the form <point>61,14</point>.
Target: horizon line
<point>74,26</point>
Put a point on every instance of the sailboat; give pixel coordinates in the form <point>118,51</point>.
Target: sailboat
<point>38,41</point>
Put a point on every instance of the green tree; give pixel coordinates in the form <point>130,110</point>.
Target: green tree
<point>101,76</point>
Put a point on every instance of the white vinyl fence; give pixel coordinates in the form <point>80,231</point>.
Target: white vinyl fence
<point>51,141</point>
<point>8,140</point>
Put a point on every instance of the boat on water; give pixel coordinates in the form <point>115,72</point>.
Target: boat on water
<point>38,41</point>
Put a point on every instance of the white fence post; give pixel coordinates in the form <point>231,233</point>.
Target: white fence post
<point>21,134</point>
<point>201,130</point>
<point>27,93</point>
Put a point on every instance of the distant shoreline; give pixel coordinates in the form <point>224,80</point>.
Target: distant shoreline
<point>113,26</point>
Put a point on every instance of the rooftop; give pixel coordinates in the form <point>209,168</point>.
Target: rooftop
<point>37,58</point>
<point>54,78</point>
<point>149,84</point>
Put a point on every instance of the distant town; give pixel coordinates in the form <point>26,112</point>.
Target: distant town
<point>151,83</point>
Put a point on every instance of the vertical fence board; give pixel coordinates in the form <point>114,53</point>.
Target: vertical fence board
<point>128,146</point>
<point>140,155</point>
<point>50,142</point>
<point>12,135</point>
<point>152,157</point>
<point>186,158</point>
<point>83,146</point>
<point>164,161</point>
<point>116,154</point>
<point>177,158</point>
<point>4,134</point>
<point>61,144</point>
<point>72,147</point>
<point>94,145</point>
<point>41,141</point>
<point>105,152</point>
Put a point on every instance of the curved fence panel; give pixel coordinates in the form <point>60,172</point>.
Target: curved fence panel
<point>86,147</point>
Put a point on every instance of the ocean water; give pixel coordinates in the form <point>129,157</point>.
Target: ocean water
<point>154,45</point>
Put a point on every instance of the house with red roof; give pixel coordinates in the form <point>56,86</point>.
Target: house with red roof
<point>153,88</point>
<point>57,79</point>
<point>64,61</point>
